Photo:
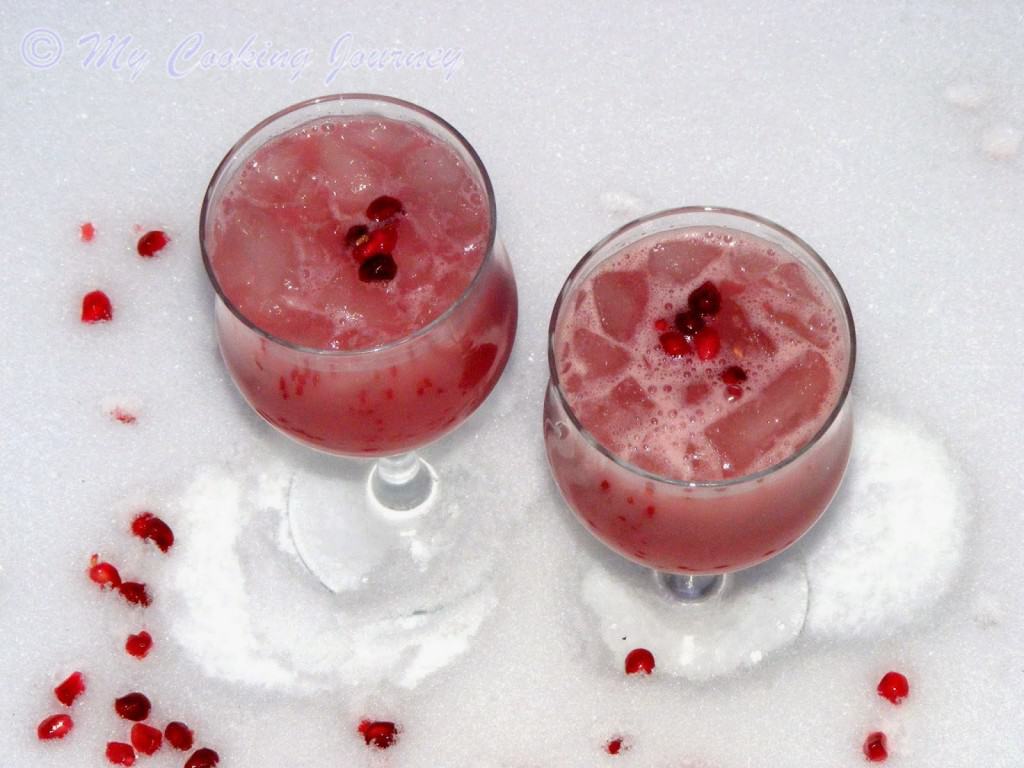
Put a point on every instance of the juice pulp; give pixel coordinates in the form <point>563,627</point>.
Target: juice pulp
<point>288,236</point>
<point>710,396</point>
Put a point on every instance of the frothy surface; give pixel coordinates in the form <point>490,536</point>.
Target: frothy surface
<point>278,241</point>
<point>673,415</point>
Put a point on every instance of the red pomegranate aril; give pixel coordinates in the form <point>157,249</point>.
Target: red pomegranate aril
<point>673,343</point>
<point>894,687</point>
<point>614,746</point>
<point>380,733</point>
<point>689,323</point>
<point>875,747</point>
<point>639,661</point>
<point>380,242</point>
<point>132,706</point>
<point>96,308</point>
<point>203,758</point>
<point>705,299</point>
<point>384,207</point>
<point>103,574</point>
<point>149,526</point>
<point>139,645</point>
<point>70,689</point>
<point>734,375</point>
<point>707,343</point>
<point>55,727</point>
<point>119,753</point>
<point>135,593</point>
<point>87,232</point>
<point>146,739</point>
<point>356,234</point>
<point>152,243</point>
<point>179,736</point>
<point>661,325</point>
<point>378,269</point>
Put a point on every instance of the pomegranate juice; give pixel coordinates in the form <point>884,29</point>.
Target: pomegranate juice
<point>366,308</point>
<point>693,361</point>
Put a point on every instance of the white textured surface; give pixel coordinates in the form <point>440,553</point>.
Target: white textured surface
<point>889,138</point>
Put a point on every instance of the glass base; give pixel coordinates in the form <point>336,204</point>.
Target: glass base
<point>698,627</point>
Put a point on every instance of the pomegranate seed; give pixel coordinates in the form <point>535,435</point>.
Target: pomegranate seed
<point>55,727</point>
<point>132,706</point>
<point>70,689</point>
<point>96,307</point>
<point>203,758</point>
<point>384,207</point>
<point>661,325</point>
<point>638,661</point>
<point>734,375</point>
<point>733,392</point>
<point>705,299</point>
<point>139,645</point>
<point>689,323</point>
<point>103,574</point>
<point>149,526</point>
<point>87,232</point>
<point>356,234</point>
<point>135,592</point>
<point>380,242</point>
<point>377,269</point>
<point>146,739</point>
<point>674,344</point>
<point>707,343</point>
<point>152,243</point>
<point>123,416</point>
<point>874,747</point>
<point>380,733</point>
<point>894,687</point>
<point>120,753</point>
<point>179,736</point>
<point>614,746</point>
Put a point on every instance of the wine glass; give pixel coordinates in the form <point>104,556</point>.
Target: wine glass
<point>698,529</point>
<point>350,182</point>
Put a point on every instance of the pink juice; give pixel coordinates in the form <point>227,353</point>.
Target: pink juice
<point>366,308</point>
<point>696,360</point>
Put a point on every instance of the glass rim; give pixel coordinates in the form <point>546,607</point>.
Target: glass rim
<point>726,482</point>
<point>369,98</point>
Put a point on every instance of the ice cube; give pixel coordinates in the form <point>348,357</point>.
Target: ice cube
<point>614,418</point>
<point>790,402</point>
<point>598,355</point>
<point>681,261</point>
<point>810,330</point>
<point>793,281</point>
<point>739,336</point>
<point>621,299</point>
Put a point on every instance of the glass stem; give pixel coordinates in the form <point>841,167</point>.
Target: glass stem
<point>690,588</point>
<point>402,485</point>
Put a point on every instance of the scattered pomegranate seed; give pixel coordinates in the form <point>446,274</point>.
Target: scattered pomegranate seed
<point>734,375</point>
<point>152,243</point>
<point>123,416</point>
<point>146,739</point>
<point>705,299</point>
<point>380,733</point>
<point>615,746</point>
<point>377,269</point>
<point>661,325</point>
<point>203,758</point>
<point>380,242</point>
<point>96,307</point>
<point>70,689</point>
<point>674,344</point>
<point>103,574</point>
<point>179,736</point>
<point>139,645</point>
<point>149,526</point>
<point>135,592</point>
<point>55,727</point>
<point>689,323</point>
<point>356,234</point>
<point>87,232</point>
<point>707,343</point>
<point>132,706</point>
<point>874,747</point>
<point>639,661</point>
<point>733,392</point>
<point>894,687</point>
<point>384,207</point>
<point>120,753</point>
